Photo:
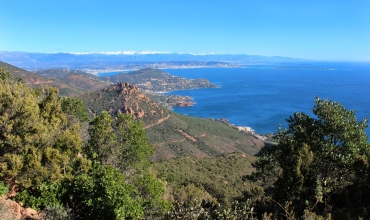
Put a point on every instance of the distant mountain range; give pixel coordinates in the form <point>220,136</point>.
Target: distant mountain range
<point>121,60</point>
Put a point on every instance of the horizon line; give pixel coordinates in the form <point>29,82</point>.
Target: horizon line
<point>150,52</point>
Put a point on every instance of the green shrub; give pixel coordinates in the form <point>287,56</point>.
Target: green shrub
<point>56,212</point>
<point>47,194</point>
<point>103,194</point>
<point>208,211</point>
<point>3,188</point>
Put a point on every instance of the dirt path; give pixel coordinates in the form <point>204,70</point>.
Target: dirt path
<point>188,136</point>
<point>202,135</point>
<point>160,121</point>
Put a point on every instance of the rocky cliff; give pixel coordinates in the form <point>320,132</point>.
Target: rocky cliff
<point>124,98</point>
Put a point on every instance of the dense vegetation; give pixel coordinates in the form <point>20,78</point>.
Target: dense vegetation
<point>46,164</point>
<point>54,160</point>
<point>215,179</point>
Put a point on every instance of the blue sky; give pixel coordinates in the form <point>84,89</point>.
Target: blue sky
<point>314,29</point>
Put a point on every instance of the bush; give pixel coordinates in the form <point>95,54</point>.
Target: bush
<point>56,212</point>
<point>3,188</point>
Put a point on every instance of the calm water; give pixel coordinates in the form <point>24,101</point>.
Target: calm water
<point>262,97</point>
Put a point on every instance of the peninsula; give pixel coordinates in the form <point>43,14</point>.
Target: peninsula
<point>156,83</point>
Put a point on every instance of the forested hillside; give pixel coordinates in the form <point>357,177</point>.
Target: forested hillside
<point>214,179</point>
<point>64,164</point>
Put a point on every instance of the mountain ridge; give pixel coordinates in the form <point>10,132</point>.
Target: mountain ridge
<point>104,62</point>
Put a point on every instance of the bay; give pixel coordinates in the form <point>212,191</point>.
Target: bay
<point>263,96</point>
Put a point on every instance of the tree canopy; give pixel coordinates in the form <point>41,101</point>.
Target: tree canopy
<point>37,143</point>
<point>315,165</point>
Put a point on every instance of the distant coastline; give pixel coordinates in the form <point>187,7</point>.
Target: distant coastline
<point>113,70</point>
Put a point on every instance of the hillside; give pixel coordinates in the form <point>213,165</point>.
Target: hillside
<point>75,78</point>
<point>173,135</point>
<point>61,73</point>
<point>217,178</point>
<point>155,80</point>
<point>35,81</point>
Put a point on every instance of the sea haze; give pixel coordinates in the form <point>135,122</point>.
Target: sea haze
<point>263,96</point>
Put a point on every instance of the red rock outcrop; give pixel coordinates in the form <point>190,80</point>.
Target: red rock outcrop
<point>140,113</point>
<point>124,88</point>
<point>125,98</point>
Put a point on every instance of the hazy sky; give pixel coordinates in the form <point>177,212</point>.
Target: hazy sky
<point>314,29</point>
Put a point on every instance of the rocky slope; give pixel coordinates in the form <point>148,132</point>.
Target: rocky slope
<point>124,98</point>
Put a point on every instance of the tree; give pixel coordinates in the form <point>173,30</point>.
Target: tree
<point>315,162</point>
<point>102,138</point>
<point>122,144</point>
<point>134,148</point>
<point>103,193</point>
<point>37,142</point>
<point>75,108</point>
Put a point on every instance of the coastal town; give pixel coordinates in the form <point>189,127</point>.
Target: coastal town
<point>97,68</point>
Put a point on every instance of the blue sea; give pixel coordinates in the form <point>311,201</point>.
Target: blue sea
<point>263,96</point>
